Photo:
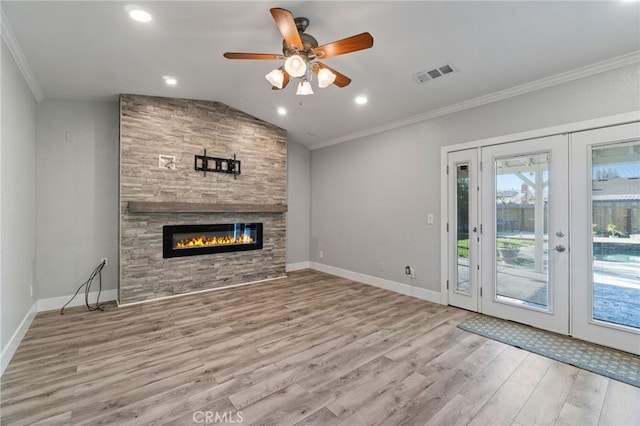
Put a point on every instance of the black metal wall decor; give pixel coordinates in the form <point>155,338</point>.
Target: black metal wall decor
<point>219,165</point>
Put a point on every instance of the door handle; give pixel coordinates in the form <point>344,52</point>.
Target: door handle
<point>559,248</point>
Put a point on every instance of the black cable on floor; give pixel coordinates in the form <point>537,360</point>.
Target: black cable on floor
<point>87,286</point>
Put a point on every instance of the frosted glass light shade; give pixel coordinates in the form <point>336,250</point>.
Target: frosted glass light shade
<point>325,78</point>
<point>304,88</point>
<point>276,78</point>
<point>295,66</point>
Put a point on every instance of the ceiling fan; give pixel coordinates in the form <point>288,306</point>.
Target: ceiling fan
<point>301,53</point>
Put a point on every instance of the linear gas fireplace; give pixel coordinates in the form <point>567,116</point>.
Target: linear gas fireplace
<point>193,240</point>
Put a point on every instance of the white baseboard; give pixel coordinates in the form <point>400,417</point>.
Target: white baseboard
<point>407,290</point>
<point>12,345</point>
<point>297,266</point>
<point>55,303</point>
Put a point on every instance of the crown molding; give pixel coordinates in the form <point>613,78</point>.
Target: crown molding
<point>543,83</point>
<point>10,40</point>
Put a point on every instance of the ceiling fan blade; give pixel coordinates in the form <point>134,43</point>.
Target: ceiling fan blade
<point>285,80</point>
<point>341,79</point>
<point>346,45</point>
<point>287,26</point>
<point>238,55</point>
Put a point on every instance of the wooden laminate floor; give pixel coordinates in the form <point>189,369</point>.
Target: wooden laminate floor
<point>310,349</point>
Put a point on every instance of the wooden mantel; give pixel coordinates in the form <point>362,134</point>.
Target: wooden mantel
<point>177,207</point>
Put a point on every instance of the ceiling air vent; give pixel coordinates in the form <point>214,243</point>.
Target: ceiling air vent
<point>423,77</point>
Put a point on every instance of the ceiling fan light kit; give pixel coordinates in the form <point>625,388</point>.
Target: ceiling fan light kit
<point>276,78</point>
<point>325,78</point>
<point>304,88</point>
<point>295,66</point>
<point>300,50</point>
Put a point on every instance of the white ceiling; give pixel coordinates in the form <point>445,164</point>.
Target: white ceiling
<point>94,51</point>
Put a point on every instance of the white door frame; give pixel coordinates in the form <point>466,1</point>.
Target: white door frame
<point>584,326</point>
<point>466,300</point>
<point>631,117</point>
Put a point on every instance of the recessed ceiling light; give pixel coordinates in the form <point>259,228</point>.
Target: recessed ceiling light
<point>361,100</point>
<point>282,111</point>
<point>171,81</point>
<point>138,14</point>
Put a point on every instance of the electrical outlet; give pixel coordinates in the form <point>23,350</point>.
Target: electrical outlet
<point>105,260</point>
<point>167,162</point>
<point>30,291</point>
<point>321,254</point>
<point>409,270</point>
<point>381,267</point>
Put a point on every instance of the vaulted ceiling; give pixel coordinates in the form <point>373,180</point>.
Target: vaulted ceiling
<point>94,51</point>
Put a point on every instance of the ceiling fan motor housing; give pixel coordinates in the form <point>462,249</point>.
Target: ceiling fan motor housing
<point>301,24</point>
<point>308,42</point>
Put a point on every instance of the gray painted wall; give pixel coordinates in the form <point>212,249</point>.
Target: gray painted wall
<point>370,197</point>
<point>299,202</point>
<point>18,198</point>
<point>77,191</point>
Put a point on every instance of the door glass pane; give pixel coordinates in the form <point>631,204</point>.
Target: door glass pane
<point>615,203</point>
<point>462,231</point>
<point>521,230</point>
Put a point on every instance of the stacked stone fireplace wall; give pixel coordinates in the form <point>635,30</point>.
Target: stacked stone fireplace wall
<point>181,128</point>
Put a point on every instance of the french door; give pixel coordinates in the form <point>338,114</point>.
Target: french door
<point>605,206</point>
<point>463,236</point>
<point>525,245</point>
<point>503,261</point>
<point>525,266</point>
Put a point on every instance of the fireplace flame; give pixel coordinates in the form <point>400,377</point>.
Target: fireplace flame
<point>203,241</point>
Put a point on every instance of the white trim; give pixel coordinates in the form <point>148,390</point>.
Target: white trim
<point>297,266</point>
<point>55,303</point>
<point>532,86</point>
<point>444,237</point>
<point>580,126</point>
<point>407,290</point>
<point>16,51</point>
<point>12,345</point>
<point>207,290</point>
